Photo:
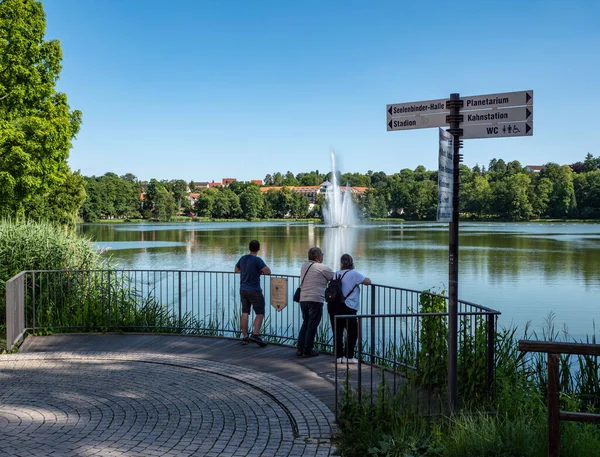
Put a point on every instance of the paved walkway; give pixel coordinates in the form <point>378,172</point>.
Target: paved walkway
<point>152,395</point>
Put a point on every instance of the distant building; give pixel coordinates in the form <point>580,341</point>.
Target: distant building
<point>214,184</point>
<point>313,191</point>
<point>257,181</point>
<point>534,168</point>
<point>201,185</point>
<point>227,181</point>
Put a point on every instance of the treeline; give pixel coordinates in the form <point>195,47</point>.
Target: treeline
<point>124,197</point>
<point>506,191</point>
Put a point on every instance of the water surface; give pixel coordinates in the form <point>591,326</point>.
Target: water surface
<point>524,270</point>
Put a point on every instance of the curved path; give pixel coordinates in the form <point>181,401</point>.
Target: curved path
<point>117,395</point>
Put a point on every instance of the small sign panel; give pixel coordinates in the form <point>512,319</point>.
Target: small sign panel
<point>279,293</point>
<point>417,122</point>
<point>445,177</point>
<point>498,130</point>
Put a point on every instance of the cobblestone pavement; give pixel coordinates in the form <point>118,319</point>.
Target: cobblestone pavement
<point>149,404</point>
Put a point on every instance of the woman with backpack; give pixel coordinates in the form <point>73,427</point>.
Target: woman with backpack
<point>346,302</point>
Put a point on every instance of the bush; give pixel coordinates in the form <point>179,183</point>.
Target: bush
<point>27,245</point>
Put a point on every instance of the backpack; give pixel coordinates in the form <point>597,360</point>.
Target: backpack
<point>333,292</point>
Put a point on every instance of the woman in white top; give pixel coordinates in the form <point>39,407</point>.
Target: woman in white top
<point>351,280</point>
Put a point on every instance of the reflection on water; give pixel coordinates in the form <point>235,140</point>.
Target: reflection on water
<point>523,270</point>
<point>338,241</point>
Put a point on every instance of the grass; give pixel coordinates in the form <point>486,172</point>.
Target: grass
<point>513,424</point>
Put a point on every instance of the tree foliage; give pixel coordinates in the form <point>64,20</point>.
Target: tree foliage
<point>37,125</point>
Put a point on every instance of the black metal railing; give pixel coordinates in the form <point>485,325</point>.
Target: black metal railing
<point>402,331</point>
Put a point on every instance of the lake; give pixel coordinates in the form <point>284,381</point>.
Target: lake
<point>524,270</point>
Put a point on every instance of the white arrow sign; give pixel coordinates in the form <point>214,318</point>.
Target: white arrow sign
<point>504,99</point>
<point>417,122</point>
<point>498,131</point>
<point>521,113</point>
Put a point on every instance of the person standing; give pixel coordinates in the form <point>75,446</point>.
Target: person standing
<point>351,280</point>
<point>250,267</point>
<point>314,277</point>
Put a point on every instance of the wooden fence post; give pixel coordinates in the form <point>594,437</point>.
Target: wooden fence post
<point>553,416</point>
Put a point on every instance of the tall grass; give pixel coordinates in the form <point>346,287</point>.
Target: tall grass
<point>511,424</point>
<point>28,245</point>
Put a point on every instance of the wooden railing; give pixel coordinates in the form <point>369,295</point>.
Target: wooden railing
<point>555,415</point>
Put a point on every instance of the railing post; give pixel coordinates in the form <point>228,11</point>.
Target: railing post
<point>179,302</point>
<point>33,304</point>
<point>553,417</point>
<point>373,312</point>
<point>490,353</point>
<point>109,307</point>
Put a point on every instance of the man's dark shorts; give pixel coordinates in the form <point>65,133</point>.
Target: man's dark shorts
<point>254,298</point>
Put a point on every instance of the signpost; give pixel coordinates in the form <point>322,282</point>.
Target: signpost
<point>499,115</point>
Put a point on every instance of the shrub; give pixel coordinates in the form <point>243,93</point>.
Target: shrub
<point>28,245</point>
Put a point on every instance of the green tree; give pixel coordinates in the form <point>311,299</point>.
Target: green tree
<point>36,123</point>
<point>165,206</point>
<point>372,204</point>
<point>205,202</point>
<point>422,203</point>
<point>587,193</point>
<point>475,196</point>
<point>539,196</point>
<point>251,202</point>
<point>277,179</point>
<point>290,179</point>
<point>590,163</point>
<point>562,201</point>
<point>179,190</point>
<point>299,205</point>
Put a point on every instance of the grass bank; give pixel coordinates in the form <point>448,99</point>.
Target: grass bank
<point>511,424</point>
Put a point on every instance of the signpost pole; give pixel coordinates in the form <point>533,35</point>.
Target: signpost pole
<point>455,119</point>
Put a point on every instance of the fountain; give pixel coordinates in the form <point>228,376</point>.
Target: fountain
<point>339,210</point>
<point>340,215</point>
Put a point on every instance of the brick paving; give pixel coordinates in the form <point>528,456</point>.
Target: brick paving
<point>119,396</point>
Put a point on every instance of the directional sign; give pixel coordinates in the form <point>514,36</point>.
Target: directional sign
<point>414,108</point>
<point>417,122</point>
<point>504,99</point>
<point>498,131</point>
<point>520,113</point>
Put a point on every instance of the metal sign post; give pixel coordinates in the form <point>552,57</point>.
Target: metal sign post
<point>479,116</point>
<point>455,118</point>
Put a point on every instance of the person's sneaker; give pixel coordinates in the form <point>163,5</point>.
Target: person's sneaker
<point>311,353</point>
<point>258,340</point>
<point>245,340</point>
<point>299,352</point>
<point>341,360</point>
<point>352,361</point>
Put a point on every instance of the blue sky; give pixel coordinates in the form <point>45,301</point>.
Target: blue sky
<point>209,89</point>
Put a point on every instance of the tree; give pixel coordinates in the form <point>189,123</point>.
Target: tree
<point>290,179</point>
<point>590,163</point>
<point>205,202</point>
<point>476,195</point>
<point>165,206</point>
<point>562,201</point>
<point>277,179</point>
<point>251,201</point>
<point>36,123</point>
<point>372,204</point>
<point>539,196</point>
<point>179,189</point>
<point>268,181</point>
<point>300,205</point>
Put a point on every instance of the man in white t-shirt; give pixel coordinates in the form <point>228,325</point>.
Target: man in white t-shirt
<point>351,280</point>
